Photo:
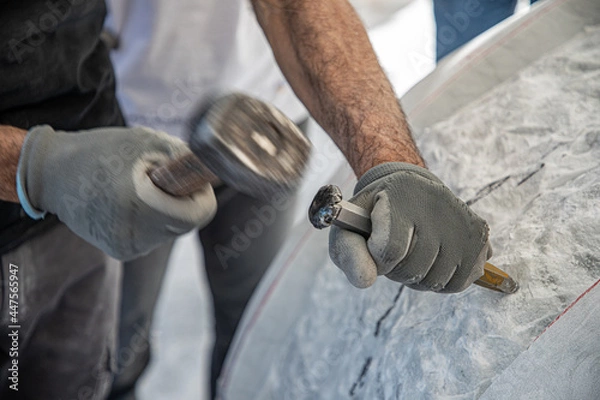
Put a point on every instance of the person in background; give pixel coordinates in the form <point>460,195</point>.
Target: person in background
<point>170,59</point>
<point>459,21</point>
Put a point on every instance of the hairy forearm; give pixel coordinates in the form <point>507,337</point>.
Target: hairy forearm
<point>11,140</point>
<point>325,54</point>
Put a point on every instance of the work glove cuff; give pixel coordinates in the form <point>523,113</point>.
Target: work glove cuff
<point>35,139</point>
<point>382,170</point>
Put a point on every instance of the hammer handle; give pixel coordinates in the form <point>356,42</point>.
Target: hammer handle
<point>183,176</point>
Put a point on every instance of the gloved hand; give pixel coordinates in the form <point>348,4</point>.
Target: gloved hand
<point>96,182</point>
<point>422,235</point>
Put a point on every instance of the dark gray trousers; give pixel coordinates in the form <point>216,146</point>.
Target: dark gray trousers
<point>58,318</point>
<point>239,245</point>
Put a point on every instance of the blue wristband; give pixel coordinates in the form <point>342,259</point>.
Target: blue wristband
<point>24,200</point>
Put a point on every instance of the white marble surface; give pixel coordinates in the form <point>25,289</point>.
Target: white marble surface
<point>526,156</point>
<point>563,363</point>
<point>496,55</point>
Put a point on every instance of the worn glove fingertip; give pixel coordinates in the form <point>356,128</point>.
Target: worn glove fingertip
<point>348,250</point>
<point>359,279</point>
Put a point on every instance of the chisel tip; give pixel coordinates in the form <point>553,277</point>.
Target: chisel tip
<point>496,279</point>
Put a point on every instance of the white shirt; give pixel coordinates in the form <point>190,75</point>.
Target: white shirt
<point>173,55</point>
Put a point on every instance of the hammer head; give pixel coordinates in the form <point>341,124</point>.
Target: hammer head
<point>250,145</point>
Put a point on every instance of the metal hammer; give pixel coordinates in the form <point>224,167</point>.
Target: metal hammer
<point>243,142</point>
<point>328,208</point>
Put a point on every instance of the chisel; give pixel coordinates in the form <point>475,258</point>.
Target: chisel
<point>328,208</point>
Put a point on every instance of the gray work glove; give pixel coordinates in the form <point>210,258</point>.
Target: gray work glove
<point>96,182</point>
<point>422,234</point>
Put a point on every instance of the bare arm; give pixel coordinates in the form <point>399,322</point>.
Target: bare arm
<point>325,54</point>
<point>11,140</point>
